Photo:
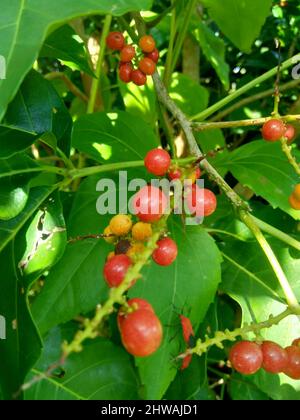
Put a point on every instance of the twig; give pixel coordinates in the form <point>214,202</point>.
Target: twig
<point>70,85</point>
<point>287,150</point>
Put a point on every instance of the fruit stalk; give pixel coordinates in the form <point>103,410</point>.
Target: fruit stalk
<point>287,150</point>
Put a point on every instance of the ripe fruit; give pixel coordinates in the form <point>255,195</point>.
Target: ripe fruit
<point>122,247</point>
<point>125,71</point>
<point>149,204</point>
<point>296,342</point>
<point>154,55</point>
<point>138,78</point>
<point>195,175</point>
<point>147,66</point>
<point>293,368</point>
<point>120,225</point>
<point>115,270</point>
<point>115,41</point>
<point>273,130</point>
<point>275,358</point>
<point>295,204</point>
<point>166,253</point>
<point>141,231</point>
<point>135,249</point>
<point>141,333</point>
<point>147,44</point>
<point>109,237</point>
<point>157,162</point>
<point>138,303</point>
<point>187,328</point>
<point>174,173</point>
<point>290,133</point>
<point>201,202</point>
<point>296,192</point>
<point>246,357</point>
<point>127,54</point>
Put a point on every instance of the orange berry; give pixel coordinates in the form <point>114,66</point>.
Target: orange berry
<point>147,44</point>
<point>147,66</point>
<point>120,225</point>
<point>296,192</point>
<point>294,203</point>
<point>141,231</point>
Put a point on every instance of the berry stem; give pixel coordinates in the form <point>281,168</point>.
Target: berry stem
<point>96,80</point>
<point>287,150</point>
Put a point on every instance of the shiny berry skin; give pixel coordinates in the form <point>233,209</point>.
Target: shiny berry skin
<point>290,133</point>
<point>122,247</point>
<point>174,174</point>
<point>157,162</point>
<point>246,357</point>
<point>125,72</point>
<point>150,204</point>
<point>166,253</point>
<point>139,303</point>
<point>201,202</point>
<point>186,362</point>
<point>296,342</point>
<point>154,56</point>
<point>141,333</point>
<point>147,44</point>
<point>147,66</point>
<point>293,368</point>
<point>115,270</point>
<point>187,328</point>
<point>127,54</point>
<point>115,41</point>
<point>273,130</point>
<point>142,231</point>
<point>138,78</point>
<point>294,203</point>
<point>275,358</point>
<point>120,225</point>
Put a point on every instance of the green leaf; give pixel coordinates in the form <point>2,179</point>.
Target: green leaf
<point>102,371</point>
<point>241,21</point>
<point>191,283</point>
<point>265,169</point>
<point>65,45</point>
<point>22,345</point>
<point>214,50</point>
<point>117,137</point>
<point>38,108</point>
<point>191,97</point>
<point>242,388</point>
<point>14,141</point>
<point>20,47</point>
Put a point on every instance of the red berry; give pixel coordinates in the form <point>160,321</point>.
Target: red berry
<point>115,270</point>
<point>125,72</point>
<point>186,362</point>
<point>147,44</point>
<point>290,133</point>
<point>127,53</point>
<point>187,328</point>
<point>141,304</point>
<point>201,202</point>
<point>273,130</point>
<point>174,173</point>
<point>293,368</point>
<point>166,253</point>
<point>296,342</point>
<point>149,204</point>
<point>246,357</point>
<point>138,78</point>
<point>198,173</point>
<point>147,66</point>
<point>275,357</point>
<point>157,162</point>
<point>115,41</point>
<point>154,55</point>
<point>141,333</point>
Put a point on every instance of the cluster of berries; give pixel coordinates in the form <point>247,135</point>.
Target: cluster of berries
<point>146,63</point>
<point>274,130</point>
<point>248,357</point>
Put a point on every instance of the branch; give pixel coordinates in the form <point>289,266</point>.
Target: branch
<point>70,85</point>
<point>287,150</point>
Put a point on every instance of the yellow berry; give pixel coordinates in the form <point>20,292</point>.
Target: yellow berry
<point>109,236</point>
<point>141,231</point>
<point>135,249</point>
<point>120,225</point>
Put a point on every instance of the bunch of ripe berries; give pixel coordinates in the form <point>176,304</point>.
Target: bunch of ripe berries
<point>146,62</point>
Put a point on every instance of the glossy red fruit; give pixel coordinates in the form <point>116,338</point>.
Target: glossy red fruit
<point>186,362</point>
<point>125,72</point>
<point>293,368</point>
<point>296,342</point>
<point>275,358</point>
<point>246,357</point>
<point>127,54</point>
<point>141,333</point>
<point>149,204</point>
<point>273,130</point>
<point>138,78</point>
<point>166,253</point>
<point>290,133</point>
<point>154,56</point>
<point>201,202</point>
<point>141,304</point>
<point>147,44</point>
<point>147,66</point>
<point>115,270</point>
<point>157,162</point>
<point>174,173</point>
<point>115,41</point>
<point>187,328</point>
<point>198,173</point>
